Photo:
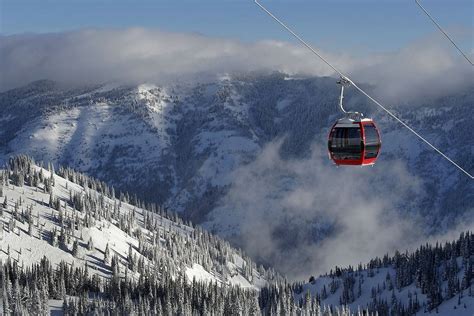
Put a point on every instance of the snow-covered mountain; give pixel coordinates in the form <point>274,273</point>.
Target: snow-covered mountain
<point>210,150</point>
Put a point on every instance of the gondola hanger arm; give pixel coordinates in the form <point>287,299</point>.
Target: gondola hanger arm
<point>346,78</point>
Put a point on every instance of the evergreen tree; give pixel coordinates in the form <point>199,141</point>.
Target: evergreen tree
<point>107,254</point>
<point>75,248</point>
<point>90,244</point>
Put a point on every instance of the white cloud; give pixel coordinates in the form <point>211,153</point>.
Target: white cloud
<point>305,217</point>
<point>137,55</point>
<point>428,68</point>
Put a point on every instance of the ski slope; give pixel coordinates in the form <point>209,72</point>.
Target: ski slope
<point>176,243</point>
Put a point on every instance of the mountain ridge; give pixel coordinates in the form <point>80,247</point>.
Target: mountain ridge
<point>185,146</point>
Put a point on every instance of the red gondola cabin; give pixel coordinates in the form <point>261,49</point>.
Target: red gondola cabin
<point>354,141</point>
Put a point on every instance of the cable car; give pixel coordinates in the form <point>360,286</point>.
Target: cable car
<point>355,141</point>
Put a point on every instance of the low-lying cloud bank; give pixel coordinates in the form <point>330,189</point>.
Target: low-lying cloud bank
<point>305,217</point>
<point>427,68</point>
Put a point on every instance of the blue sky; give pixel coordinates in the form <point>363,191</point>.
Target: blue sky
<point>358,26</point>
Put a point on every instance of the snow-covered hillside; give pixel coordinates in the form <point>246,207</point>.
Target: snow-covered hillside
<point>185,146</point>
<point>77,221</point>
<point>431,280</point>
<point>64,221</point>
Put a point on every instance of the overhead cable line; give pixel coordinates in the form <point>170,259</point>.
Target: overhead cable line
<point>442,31</point>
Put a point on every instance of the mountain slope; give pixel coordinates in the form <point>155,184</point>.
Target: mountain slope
<point>50,222</point>
<point>191,138</point>
<point>49,214</point>
<point>434,279</point>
